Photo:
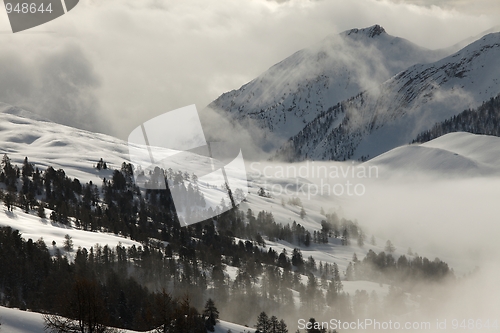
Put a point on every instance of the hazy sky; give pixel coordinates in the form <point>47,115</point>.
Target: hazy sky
<point>111,65</point>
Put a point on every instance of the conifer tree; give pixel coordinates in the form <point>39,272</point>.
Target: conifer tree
<point>282,328</point>
<point>41,211</point>
<point>263,323</point>
<point>274,325</point>
<point>389,247</point>
<point>68,243</point>
<point>211,315</point>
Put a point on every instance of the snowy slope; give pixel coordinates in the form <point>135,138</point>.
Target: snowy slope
<point>17,321</point>
<point>31,226</point>
<point>483,148</point>
<point>455,154</point>
<point>407,104</point>
<point>290,94</point>
<point>23,134</point>
<point>225,326</point>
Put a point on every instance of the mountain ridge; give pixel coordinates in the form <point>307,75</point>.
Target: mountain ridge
<point>378,120</point>
<point>291,93</point>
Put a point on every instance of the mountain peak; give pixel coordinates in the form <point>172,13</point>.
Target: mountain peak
<point>370,32</point>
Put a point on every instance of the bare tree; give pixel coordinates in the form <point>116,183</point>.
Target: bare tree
<point>164,307</point>
<point>83,313</point>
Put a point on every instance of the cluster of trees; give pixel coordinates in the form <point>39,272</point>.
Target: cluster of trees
<point>119,206</point>
<point>265,224</point>
<point>482,120</point>
<point>270,325</point>
<point>403,271</point>
<point>94,291</point>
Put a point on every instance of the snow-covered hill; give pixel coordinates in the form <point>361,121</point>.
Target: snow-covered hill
<point>455,154</point>
<point>23,134</point>
<point>412,101</point>
<point>293,92</point>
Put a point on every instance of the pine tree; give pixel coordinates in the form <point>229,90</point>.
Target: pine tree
<point>274,324</point>
<point>349,273</point>
<point>27,170</point>
<point>389,247</point>
<point>297,259</point>
<point>302,213</point>
<point>53,216</point>
<point>263,323</point>
<point>282,327</point>
<point>361,241</point>
<point>345,237</point>
<point>41,211</point>
<point>68,243</point>
<point>315,327</point>
<point>8,201</point>
<point>211,315</point>
<point>307,240</point>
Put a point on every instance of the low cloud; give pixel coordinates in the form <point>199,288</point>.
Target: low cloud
<point>59,85</point>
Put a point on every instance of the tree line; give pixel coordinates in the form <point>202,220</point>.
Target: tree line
<point>482,120</point>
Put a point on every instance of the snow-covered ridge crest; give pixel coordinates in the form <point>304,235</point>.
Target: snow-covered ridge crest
<point>370,32</point>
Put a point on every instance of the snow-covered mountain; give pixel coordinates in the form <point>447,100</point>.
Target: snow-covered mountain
<point>293,92</point>
<point>412,101</point>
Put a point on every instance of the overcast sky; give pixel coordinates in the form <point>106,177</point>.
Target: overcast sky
<point>109,65</point>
